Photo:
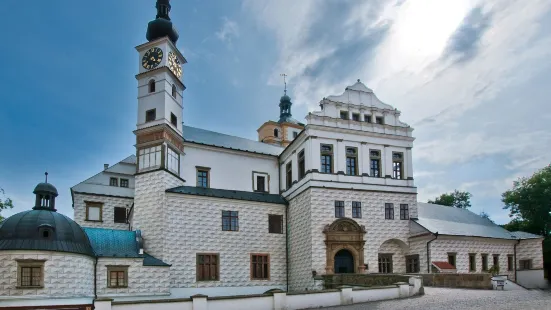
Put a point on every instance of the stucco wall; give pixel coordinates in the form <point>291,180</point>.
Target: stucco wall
<point>300,243</point>
<point>142,280</point>
<point>108,210</point>
<point>194,225</point>
<point>65,275</point>
<point>531,249</point>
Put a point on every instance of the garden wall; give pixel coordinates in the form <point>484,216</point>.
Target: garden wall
<point>458,280</point>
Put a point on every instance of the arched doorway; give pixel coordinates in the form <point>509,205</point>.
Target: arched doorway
<point>344,262</point>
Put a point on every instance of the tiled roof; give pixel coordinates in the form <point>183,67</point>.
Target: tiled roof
<point>459,222</point>
<point>443,265</point>
<point>119,244</point>
<point>229,194</point>
<point>206,137</point>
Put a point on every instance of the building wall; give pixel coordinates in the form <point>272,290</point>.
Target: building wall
<point>194,225</point>
<point>300,242</point>
<point>108,210</point>
<point>142,280</point>
<point>419,246</point>
<point>149,214</point>
<point>531,249</point>
<point>229,169</point>
<point>65,275</point>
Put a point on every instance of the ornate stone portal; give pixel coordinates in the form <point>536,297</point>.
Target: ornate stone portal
<point>346,234</point>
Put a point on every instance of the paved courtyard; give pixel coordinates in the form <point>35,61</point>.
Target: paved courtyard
<point>451,299</point>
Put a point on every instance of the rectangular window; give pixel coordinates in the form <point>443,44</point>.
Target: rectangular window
<point>120,215</point>
<point>113,182</point>
<point>375,163</point>
<point>339,208</point>
<point>344,115</point>
<point>412,264</point>
<point>525,264</point>
<point>367,118</point>
<point>356,209</point>
<point>404,212</point>
<point>509,262</point>
<point>472,262</point>
<point>326,158</point>
<point>173,160</point>
<point>484,262</point>
<point>389,211</point>
<point>356,117</point>
<point>150,115</point>
<point>207,267</point>
<point>149,158</point>
<point>30,273</point>
<point>260,267</point>
<point>289,175</point>
<point>451,259</point>
<point>230,221</point>
<point>301,165</point>
<point>275,224</point>
<point>379,120</point>
<point>174,120</point>
<point>260,183</point>
<point>117,276</point>
<point>397,165</point>
<point>203,177</point>
<point>295,134</point>
<point>94,212</point>
<point>496,259</point>
<point>351,161</point>
<point>385,263</point>
<point>124,182</point>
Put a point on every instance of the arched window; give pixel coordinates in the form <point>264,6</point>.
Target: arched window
<point>174,91</point>
<point>276,132</point>
<point>152,86</point>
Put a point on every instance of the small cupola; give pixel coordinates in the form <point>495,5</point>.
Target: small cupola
<point>45,196</point>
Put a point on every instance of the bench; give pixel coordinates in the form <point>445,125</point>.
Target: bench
<point>500,283</point>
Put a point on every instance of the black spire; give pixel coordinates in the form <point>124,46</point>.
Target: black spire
<point>162,26</point>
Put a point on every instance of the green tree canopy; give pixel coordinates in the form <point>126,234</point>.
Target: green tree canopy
<point>457,199</point>
<point>5,203</point>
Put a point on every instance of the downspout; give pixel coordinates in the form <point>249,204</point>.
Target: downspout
<point>95,279</point>
<point>287,246</point>
<point>515,258</point>
<point>428,251</point>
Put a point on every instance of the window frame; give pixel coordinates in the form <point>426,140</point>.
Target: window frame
<point>113,181</point>
<point>252,266</point>
<point>357,209</point>
<point>404,211</point>
<point>339,209</point>
<point>260,179</point>
<point>270,226</point>
<point>452,255</point>
<point>328,154</point>
<point>174,91</point>
<point>151,86</point>
<point>398,163</point>
<point>380,120</point>
<point>524,262</point>
<point>495,260</point>
<point>174,119</point>
<point>301,164</point>
<point>149,114</point>
<point>153,153</point>
<point>510,262</point>
<point>367,118</point>
<point>230,216</point>
<point>117,269</point>
<point>295,134</point>
<point>377,159</point>
<point>125,215</point>
<point>484,258</point>
<point>389,211</point>
<point>93,204</point>
<point>33,265</point>
<point>344,113</point>
<point>126,181</point>
<point>389,264</point>
<point>412,260</point>
<point>351,160</point>
<point>210,265</point>
<point>197,177</point>
<point>172,155</point>
<point>472,262</point>
<point>289,174</point>
<point>356,117</point>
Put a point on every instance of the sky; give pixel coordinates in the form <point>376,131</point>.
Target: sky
<point>471,77</point>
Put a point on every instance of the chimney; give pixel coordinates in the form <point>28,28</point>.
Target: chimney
<point>105,166</point>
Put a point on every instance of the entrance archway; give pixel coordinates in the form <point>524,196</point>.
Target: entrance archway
<point>344,234</point>
<point>344,262</point>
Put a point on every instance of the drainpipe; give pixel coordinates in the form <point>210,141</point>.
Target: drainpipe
<point>95,279</point>
<point>287,245</point>
<point>428,251</point>
<point>515,258</point>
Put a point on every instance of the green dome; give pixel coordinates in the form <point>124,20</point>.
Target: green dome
<point>45,188</point>
<point>285,98</point>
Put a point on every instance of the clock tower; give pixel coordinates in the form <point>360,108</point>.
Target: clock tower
<point>159,138</point>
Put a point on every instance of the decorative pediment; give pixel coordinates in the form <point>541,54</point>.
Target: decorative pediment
<point>344,225</point>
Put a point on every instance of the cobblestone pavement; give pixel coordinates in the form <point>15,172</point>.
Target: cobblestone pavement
<point>452,299</point>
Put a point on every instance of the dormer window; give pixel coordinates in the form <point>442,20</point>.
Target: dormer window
<point>367,118</point>
<point>379,120</point>
<point>45,231</point>
<point>344,114</point>
<point>356,117</point>
<point>151,86</point>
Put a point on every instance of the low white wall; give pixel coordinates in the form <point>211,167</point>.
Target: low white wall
<point>222,290</point>
<point>180,305</point>
<point>264,302</point>
<point>374,294</point>
<point>532,278</point>
<point>302,301</point>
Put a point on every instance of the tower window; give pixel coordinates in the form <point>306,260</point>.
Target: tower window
<point>150,115</point>
<point>356,117</point>
<point>113,182</point>
<point>344,114</point>
<point>276,132</point>
<point>301,165</point>
<point>367,118</point>
<point>174,120</point>
<point>289,176</point>
<point>351,161</point>
<point>45,234</point>
<point>375,163</point>
<point>173,160</point>
<point>295,134</point>
<point>152,86</point>
<point>326,163</point>
<point>174,91</point>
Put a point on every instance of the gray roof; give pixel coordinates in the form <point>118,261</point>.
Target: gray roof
<point>228,194</point>
<point>206,137</point>
<point>458,222</point>
<point>525,235</point>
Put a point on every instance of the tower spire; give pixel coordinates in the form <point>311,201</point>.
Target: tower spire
<point>162,26</point>
<point>284,82</point>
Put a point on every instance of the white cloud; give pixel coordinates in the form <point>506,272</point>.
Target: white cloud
<point>228,31</point>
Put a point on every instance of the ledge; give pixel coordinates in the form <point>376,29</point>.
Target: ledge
<point>150,301</point>
<point>364,288</point>
<point>29,287</point>
<point>237,296</point>
<point>314,292</point>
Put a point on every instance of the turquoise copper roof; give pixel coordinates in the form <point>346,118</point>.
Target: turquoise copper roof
<point>119,244</point>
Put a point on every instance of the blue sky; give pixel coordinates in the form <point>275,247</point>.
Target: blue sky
<point>472,78</point>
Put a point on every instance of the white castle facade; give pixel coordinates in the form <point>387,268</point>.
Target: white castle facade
<point>200,212</point>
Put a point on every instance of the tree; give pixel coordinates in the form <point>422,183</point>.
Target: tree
<point>456,199</point>
<point>486,216</point>
<point>5,203</point>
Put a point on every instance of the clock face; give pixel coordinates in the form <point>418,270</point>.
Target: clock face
<point>174,64</point>
<point>152,58</point>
